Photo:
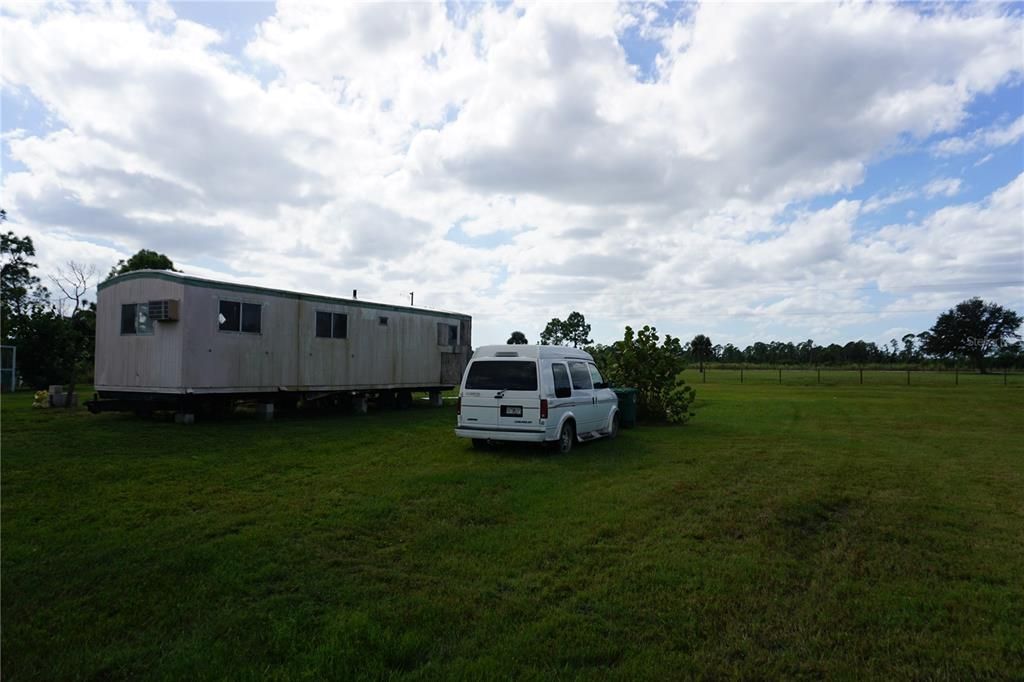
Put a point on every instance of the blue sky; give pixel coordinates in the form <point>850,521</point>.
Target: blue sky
<point>749,172</point>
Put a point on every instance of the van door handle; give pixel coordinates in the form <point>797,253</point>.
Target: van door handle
<point>593,400</point>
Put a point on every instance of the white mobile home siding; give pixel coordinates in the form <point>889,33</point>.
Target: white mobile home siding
<point>192,355</point>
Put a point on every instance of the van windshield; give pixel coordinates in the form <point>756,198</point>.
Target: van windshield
<point>509,375</point>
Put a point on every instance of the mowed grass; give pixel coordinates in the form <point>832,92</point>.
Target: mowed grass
<point>842,531</point>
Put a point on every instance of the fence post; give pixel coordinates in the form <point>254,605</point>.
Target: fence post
<point>741,375</point>
<point>819,375</point>
<point>862,376</point>
<point>1004,377</point>
<point>908,377</point>
<point>780,375</point>
<point>956,376</point>
<point>703,376</point>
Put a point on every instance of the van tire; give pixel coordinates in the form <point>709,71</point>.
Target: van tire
<point>566,437</point>
<point>615,427</point>
<point>480,444</point>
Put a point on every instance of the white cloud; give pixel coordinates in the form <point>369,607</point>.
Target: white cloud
<point>383,125</point>
<point>982,138</point>
<point>946,187</point>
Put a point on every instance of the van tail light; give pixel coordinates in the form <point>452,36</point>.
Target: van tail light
<point>544,409</point>
<point>458,406</point>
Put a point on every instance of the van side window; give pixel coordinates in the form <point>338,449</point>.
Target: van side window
<point>595,375</point>
<point>580,375</point>
<point>563,389</point>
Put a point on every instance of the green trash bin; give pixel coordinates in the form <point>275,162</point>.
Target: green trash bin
<point>627,406</point>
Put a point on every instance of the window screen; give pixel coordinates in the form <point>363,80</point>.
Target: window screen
<point>340,327</point>
<point>499,375</point>
<point>251,318</point>
<point>580,375</point>
<point>323,325</point>
<point>135,319</point>
<point>561,376</point>
<point>447,334</point>
<point>143,322</point>
<point>128,318</point>
<point>230,317</point>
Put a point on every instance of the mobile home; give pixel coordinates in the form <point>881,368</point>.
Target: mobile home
<point>165,337</point>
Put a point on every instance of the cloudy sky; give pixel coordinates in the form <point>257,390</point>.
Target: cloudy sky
<point>750,172</point>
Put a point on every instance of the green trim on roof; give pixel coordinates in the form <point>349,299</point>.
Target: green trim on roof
<point>188,280</point>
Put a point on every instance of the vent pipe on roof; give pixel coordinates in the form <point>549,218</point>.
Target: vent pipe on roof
<point>354,292</point>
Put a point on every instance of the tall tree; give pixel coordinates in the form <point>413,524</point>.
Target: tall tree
<point>553,334</point>
<point>974,329</point>
<point>700,347</point>
<point>576,330</point>
<point>517,338</point>
<point>18,286</point>
<point>143,260</point>
<point>73,281</point>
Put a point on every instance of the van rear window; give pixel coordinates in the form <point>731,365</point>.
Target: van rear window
<point>510,375</point>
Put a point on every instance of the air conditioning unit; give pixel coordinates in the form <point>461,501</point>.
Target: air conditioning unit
<point>163,311</point>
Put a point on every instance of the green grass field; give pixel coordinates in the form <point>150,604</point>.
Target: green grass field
<point>845,531</point>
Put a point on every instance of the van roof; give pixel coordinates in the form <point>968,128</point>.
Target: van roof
<point>527,351</point>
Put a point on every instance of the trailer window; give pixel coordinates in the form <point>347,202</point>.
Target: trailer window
<point>580,375</point>
<point>251,318</point>
<point>230,317</point>
<point>447,334</point>
<point>331,325</point>
<point>496,375</point>
<point>135,319</point>
<point>240,317</point>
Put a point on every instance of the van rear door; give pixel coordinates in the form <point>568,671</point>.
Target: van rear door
<point>501,392</point>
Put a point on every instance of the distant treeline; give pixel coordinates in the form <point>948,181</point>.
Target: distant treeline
<point>906,352</point>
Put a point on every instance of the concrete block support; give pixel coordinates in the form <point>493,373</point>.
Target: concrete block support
<point>184,418</point>
<point>359,403</point>
<point>265,411</point>
<point>435,399</point>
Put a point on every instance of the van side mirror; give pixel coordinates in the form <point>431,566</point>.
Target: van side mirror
<point>563,392</point>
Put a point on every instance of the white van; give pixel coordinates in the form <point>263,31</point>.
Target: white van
<point>535,394</point>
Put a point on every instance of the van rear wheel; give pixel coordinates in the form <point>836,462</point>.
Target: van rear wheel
<point>566,437</point>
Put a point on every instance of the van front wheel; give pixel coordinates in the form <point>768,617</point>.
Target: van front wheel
<point>615,427</point>
<point>566,437</point>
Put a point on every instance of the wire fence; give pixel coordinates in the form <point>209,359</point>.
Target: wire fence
<point>853,377</point>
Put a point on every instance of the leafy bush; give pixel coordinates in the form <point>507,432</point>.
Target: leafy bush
<point>654,370</point>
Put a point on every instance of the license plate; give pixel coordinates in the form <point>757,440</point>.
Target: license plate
<point>511,411</point>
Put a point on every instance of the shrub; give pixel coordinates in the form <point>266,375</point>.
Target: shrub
<point>654,370</point>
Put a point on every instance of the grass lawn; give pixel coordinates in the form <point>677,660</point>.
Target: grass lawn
<point>838,530</point>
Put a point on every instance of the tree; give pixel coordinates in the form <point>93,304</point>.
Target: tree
<point>700,347</point>
<point>973,329</point>
<point>639,362</point>
<point>16,281</point>
<point>553,333</point>
<point>517,338</point>
<point>573,330</point>
<point>72,281</point>
<point>143,260</point>
<point>576,330</point>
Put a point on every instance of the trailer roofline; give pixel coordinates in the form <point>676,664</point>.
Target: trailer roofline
<point>189,280</point>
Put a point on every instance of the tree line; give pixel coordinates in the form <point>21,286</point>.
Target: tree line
<point>974,332</point>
